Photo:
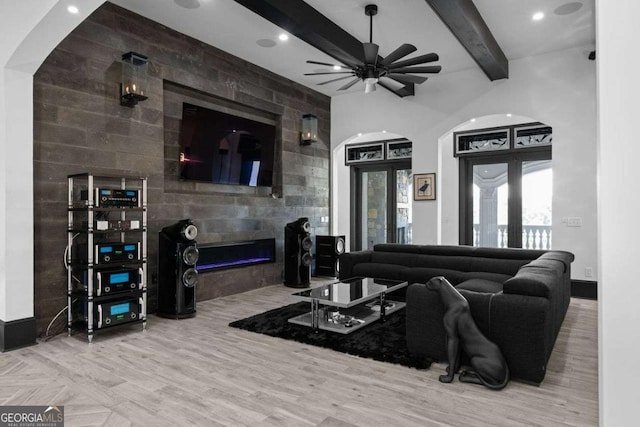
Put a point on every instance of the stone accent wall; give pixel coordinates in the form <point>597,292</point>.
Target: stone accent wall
<point>79,126</point>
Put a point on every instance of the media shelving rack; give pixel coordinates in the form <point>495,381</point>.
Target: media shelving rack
<point>84,301</point>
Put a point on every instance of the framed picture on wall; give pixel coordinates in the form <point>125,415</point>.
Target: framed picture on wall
<point>424,186</point>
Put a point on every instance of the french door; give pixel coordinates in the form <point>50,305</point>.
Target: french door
<point>381,207</point>
<point>505,200</point>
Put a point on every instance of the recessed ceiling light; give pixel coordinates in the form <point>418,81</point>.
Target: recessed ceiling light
<point>359,133</point>
<point>538,16</point>
<point>73,9</point>
<point>188,4</point>
<point>384,131</point>
<point>283,37</point>
<point>337,67</point>
<point>509,114</point>
<point>473,120</point>
<point>568,8</point>
<point>265,43</point>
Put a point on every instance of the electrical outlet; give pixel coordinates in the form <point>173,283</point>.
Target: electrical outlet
<point>575,221</point>
<point>588,272</point>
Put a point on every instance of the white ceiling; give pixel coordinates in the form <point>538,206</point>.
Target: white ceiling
<point>231,27</point>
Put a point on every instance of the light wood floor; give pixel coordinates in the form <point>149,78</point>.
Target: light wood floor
<point>201,372</point>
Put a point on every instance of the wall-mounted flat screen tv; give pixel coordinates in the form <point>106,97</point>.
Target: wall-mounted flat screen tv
<point>225,148</point>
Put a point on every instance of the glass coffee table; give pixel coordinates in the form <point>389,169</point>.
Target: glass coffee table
<point>348,305</point>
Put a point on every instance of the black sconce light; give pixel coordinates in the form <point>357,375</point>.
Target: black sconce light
<point>134,79</point>
<point>309,132</point>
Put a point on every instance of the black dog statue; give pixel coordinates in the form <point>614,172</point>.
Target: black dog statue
<point>488,366</point>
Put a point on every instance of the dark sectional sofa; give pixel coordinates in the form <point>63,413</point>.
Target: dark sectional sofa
<point>518,298</point>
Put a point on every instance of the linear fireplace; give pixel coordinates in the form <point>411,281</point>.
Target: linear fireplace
<point>218,256</point>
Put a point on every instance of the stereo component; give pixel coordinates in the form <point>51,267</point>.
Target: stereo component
<point>177,273</point>
<point>109,253</point>
<point>114,281</point>
<point>111,313</point>
<point>113,198</point>
<point>181,231</point>
<point>297,258</point>
<point>114,225</point>
<point>328,251</point>
<point>117,225</point>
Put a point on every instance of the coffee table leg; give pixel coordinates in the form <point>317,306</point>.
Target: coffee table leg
<point>314,314</point>
<point>383,311</point>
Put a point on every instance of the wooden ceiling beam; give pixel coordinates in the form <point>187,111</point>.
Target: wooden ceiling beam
<point>466,23</point>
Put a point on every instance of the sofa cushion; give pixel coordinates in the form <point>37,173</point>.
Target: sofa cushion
<point>494,277</point>
<point>380,271</point>
<point>451,262</point>
<point>424,249</point>
<point>507,253</point>
<point>402,259</point>
<point>532,281</point>
<point>556,266</point>
<point>481,285</point>
<point>424,274</point>
<point>505,266</point>
<point>565,257</point>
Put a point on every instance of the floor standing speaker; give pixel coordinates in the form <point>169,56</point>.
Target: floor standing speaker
<point>177,274</point>
<point>297,256</point>
<point>328,251</point>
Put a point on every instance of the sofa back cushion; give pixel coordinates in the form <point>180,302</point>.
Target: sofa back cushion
<point>460,258</point>
<point>538,281</point>
<point>424,249</point>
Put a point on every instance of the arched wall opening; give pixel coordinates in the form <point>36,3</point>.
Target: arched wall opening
<point>31,30</point>
<point>341,181</point>
<point>449,183</point>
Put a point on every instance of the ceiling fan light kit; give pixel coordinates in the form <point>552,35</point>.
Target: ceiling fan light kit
<point>373,68</point>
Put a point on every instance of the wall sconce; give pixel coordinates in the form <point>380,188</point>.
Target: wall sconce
<point>309,132</point>
<point>134,79</point>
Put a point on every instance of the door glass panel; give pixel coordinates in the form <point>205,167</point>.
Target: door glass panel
<point>374,208</point>
<point>404,190</point>
<point>537,192</point>
<point>490,205</point>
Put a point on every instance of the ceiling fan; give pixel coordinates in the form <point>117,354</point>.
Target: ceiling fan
<point>371,70</point>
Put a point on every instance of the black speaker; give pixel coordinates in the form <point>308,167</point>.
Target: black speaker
<point>328,251</point>
<point>177,274</point>
<point>297,258</point>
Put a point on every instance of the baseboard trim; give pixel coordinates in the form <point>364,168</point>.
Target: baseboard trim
<point>17,334</point>
<point>584,289</point>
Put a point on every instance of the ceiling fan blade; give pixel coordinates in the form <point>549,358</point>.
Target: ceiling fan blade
<point>400,52</point>
<point>422,59</point>
<point>326,64</point>
<point>351,83</point>
<point>406,78</point>
<point>329,72</point>
<point>334,80</point>
<point>430,69</point>
<point>382,83</point>
<point>370,53</point>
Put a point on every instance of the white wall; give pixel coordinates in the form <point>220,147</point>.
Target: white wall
<point>618,207</point>
<point>30,29</point>
<point>556,88</point>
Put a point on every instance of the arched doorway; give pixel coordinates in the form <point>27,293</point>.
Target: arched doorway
<point>505,185</point>
<point>375,189</point>
<point>32,30</point>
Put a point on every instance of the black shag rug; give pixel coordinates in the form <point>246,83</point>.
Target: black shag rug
<point>379,341</point>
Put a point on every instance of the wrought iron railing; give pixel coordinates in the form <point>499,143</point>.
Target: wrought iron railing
<point>533,237</point>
